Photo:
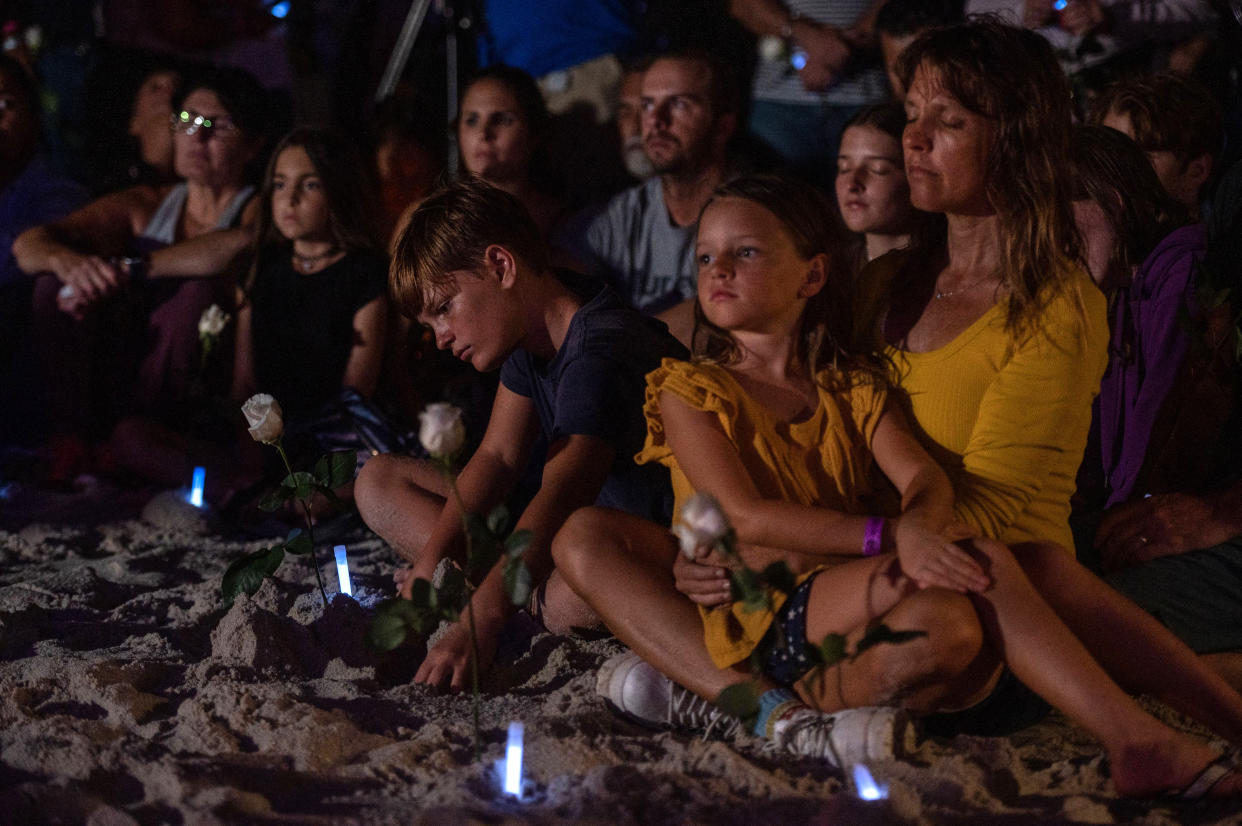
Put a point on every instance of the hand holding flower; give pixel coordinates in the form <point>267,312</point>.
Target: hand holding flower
<point>702,524</point>
<point>704,583</point>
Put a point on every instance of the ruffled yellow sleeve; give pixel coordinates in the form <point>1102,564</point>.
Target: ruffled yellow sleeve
<point>702,386</point>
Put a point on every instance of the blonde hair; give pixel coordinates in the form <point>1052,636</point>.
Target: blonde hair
<point>449,232</point>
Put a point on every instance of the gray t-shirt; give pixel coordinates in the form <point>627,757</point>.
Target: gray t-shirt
<point>635,245</point>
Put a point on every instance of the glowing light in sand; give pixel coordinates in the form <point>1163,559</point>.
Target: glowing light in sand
<point>342,570</point>
<point>868,789</point>
<point>513,761</point>
<point>196,487</point>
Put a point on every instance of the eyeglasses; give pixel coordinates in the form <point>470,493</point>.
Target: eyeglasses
<point>187,123</point>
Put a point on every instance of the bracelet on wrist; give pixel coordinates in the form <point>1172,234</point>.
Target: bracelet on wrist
<point>137,268</point>
<point>873,536</point>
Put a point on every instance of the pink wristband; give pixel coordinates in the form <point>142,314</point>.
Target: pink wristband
<point>873,536</point>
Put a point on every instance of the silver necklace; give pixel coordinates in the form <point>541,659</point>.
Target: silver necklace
<point>939,293</point>
<point>306,263</point>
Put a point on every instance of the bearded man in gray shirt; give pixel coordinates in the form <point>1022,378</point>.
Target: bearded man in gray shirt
<point>644,239</point>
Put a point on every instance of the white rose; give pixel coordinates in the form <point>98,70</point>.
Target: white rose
<point>702,524</point>
<point>264,416</point>
<point>212,321</point>
<point>440,429</point>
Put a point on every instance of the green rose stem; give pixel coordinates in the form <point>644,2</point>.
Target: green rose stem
<point>310,528</point>
<point>208,342</point>
<point>474,640</point>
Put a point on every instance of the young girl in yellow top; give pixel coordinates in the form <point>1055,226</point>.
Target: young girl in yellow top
<point>782,425</point>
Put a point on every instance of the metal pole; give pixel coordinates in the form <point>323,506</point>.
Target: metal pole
<point>401,51</point>
<point>450,88</point>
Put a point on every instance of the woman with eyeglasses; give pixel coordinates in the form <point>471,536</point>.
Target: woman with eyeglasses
<point>124,280</point>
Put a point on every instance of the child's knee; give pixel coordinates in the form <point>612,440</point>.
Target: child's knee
<point>571,547</point>
<point>954,634</point>
<point>373,485</point>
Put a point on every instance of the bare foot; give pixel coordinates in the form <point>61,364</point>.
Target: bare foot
<point>1169,766</point>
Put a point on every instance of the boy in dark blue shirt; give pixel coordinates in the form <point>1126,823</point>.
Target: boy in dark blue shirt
<point>473,268</point>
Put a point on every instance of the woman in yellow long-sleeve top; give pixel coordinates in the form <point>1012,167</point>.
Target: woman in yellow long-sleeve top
<point>998,335</point>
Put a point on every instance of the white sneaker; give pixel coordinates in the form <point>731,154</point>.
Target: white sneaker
<point>639,692</point>
<point>846,737</point>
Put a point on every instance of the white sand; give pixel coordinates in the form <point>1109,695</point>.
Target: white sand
<point>128,694</point>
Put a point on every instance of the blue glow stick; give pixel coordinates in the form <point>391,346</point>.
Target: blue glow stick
<point>196,487</point>
<point>868,789</point>
<point>342,570</point>
<point>513,761</point>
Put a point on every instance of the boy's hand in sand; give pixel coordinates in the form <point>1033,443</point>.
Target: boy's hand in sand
<point>448,662</point>
<point>931,558</point>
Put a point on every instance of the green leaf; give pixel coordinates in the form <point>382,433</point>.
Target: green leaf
<point>483,548</point>
<point>275,499</point>
<point>247,573</point>
<point>303,484</point>
<point>336,468</point>
<point>452,590</point>
<point>479,531</point>
<point>422,595</point>
<point>756,601</point>
<point>882,633</point>
<point>746,588</point>
<point>390,627</point>
<point>422,611</point>
<point>831,650</point>
<point>329,493</point>
<point>727,545</point>
<point>780,577</point>
<point>497,520</point>
<point>517,543</point>
<point>298,542</point>
<point>740,700</point>
<point>517,581</point>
